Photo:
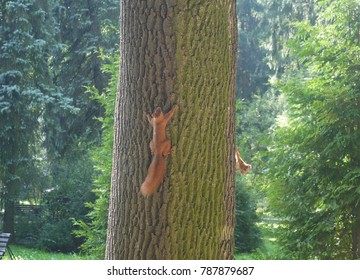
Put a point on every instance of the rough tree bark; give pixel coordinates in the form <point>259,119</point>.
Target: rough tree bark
<point>179,53</point>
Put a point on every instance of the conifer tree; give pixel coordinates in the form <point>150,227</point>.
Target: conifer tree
<point>25,88</point>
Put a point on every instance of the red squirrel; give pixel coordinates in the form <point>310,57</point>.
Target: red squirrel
<point>241,165</point>
<point>160,148</point>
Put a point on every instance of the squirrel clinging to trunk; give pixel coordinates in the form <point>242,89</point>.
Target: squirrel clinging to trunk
<point>241,165</point>
<point>160,148</point>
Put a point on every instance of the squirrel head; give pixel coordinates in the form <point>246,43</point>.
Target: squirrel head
<point>159,118</point>
<point>158,113</point>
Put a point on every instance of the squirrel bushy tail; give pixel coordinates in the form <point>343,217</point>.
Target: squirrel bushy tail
<point>160,147</point>
<point>155,176</point>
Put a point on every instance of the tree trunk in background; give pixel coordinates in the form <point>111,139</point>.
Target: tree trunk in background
<point>356,234</point>
<point>10,197</point>
<point>9,218</point>
<point>179,53</point>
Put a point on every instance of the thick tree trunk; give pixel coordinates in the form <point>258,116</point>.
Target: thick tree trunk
<point>179,53</point>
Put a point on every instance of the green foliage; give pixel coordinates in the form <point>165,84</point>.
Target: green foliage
<point>264,27</point>
<point>25,87</point>
<point>278,29</point>
<point>252,71</point>
<point>52,230</point>
<point>314,179</point>
<point>66,202</point>
<point>85,28</point>
<point>247,234</point>
<point>269,249</point>
<point>56,237</point>
<point>27,229</point>
<point>255,123</point>
<point>49,52</point>
<point>95,230</point>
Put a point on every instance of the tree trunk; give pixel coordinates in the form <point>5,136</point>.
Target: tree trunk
<point>10,197</point>
<point>9,217</point>
<point>356,234</point>
<point>179,53</point>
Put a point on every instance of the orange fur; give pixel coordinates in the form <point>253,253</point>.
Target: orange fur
<point>160,148</point>
<point>241,165</point>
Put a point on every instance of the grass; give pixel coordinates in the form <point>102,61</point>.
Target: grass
<point>24,253</point>
<point>270,250</point>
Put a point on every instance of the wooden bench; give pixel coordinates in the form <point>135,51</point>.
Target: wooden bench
<point>28,210</point>
<point>4,240</point>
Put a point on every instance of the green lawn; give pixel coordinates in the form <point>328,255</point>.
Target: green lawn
<point>270,249</point>
<point>23,253</point>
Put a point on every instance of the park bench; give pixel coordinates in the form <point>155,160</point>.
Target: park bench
<point>28,210</point>
<point>4,240</point>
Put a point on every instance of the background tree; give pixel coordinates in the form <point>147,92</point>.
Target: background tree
<point>252,69</point>
<point>247,233</point>
<point>94,231</point>
<point>49,54</point>
<point>26,87</point>
<point>265,27</point>
<point>86,29</point>
<point>315,182</point>
<point>175,54</point>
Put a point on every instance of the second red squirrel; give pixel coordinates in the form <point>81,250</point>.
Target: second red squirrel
<point>160,148</point>
<point>241,165</point>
